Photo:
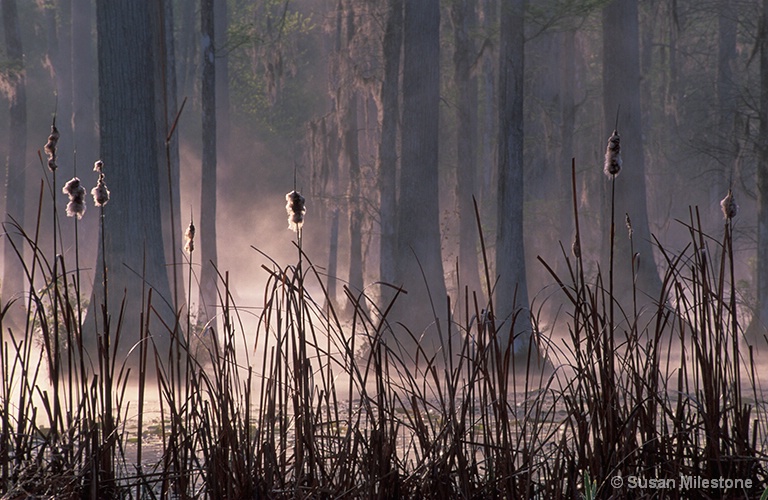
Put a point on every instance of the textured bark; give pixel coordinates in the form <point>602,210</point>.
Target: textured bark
<point>133,239</point>
<point>465,25</point>
<point>348,109</point>
<point>567,126</point>
<point>83,81</point>
<point>488,124</point>
<point>419,260</point>
<point>389,116</point>
<point>621,89</point>
<point>727,96</point>
<point>15,167</point>
<point>762,187</point>
<point>166,107</point>
<point>512,291</point>
<point>207,232</point>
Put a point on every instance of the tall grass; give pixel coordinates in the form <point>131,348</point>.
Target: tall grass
<point>327,405</point>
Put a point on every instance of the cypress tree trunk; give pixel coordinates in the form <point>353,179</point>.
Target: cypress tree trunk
<point>389,116</point>
<point>761,320</point>
<point>133,239</point>
<point>512,291</point>
<point>208,295</point>
<point>621,89</point>
<point>465,25</point>
<point>15,167</point>
<point>419,259</point>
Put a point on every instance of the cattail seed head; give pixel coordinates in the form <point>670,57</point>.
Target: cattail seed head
<point>576,248</point>
<point>295,209</point>
<point>189,238</point>
<point>100,193</point>
<point>76,193</point>
<point>50,147</point>
<point>729,206</point>
<point>612,165</point>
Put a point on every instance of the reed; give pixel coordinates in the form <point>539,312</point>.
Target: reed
<point>325,405</point>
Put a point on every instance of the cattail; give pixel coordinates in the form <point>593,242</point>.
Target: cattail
<point>612,165</point>
<point>189,238</point>
<point>76,193</point>
<point>295,209</point>
<point>50,147</point>
<point>576,248</point>
<point>729,206</point>
<point>100,193</point>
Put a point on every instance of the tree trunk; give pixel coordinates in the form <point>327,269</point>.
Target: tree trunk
<point>389,116</point>
<point>351,153</point>
<point>221,21</point>
<point>621,91</point>
<point>347,111</point>
<point>419,259</point>
<point>511,290</point>
<point>208,295</point>
<point>168,147</point>
<point>465,25</point>
<point>488,123</point>
<point>762,188</point>
<point>133,242</point>
<point>726,105</point>
<point>15,168</point>
<point>83,81</point>
<point>567,126</point>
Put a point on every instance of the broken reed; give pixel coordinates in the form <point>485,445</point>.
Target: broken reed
<point>335,406</point>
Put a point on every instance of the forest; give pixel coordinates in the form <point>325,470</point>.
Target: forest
<point>384,249</point>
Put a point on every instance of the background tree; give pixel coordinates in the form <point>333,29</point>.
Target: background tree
<point>464,17</point>
<point>419,259</point>
<point>15,167</point>
<point>133,241</point>
<point>389,117</point>
<point>761,315</point>
<point>621,93</point>
<point>511,289</point>
<point>208,200</point>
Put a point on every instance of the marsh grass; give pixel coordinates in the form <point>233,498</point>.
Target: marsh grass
<point>331,405</point>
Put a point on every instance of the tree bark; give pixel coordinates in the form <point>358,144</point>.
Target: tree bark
<point>15,167</point>
<point>419,259</point>
<point>83,81</point>
<point>465,25</point>
<point>511,290</point>
<point>621,91</point>
<point>208,295</point>
<point>389,116</point>
<point>726,104</point>
<point>762,187</point>
<point>166,107</point>
<point>133,242</point>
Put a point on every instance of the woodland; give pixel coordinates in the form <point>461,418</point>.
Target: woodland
<point>523,251</point>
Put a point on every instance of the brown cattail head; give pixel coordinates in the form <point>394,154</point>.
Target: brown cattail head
<point>576,248</point>
<point>76,193</point>
<point>50,147</point>
<point>189,238</point>
<point>100,193</point>
<point>612,165</point>
<point>729,206</point>
<point>295,209</point>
